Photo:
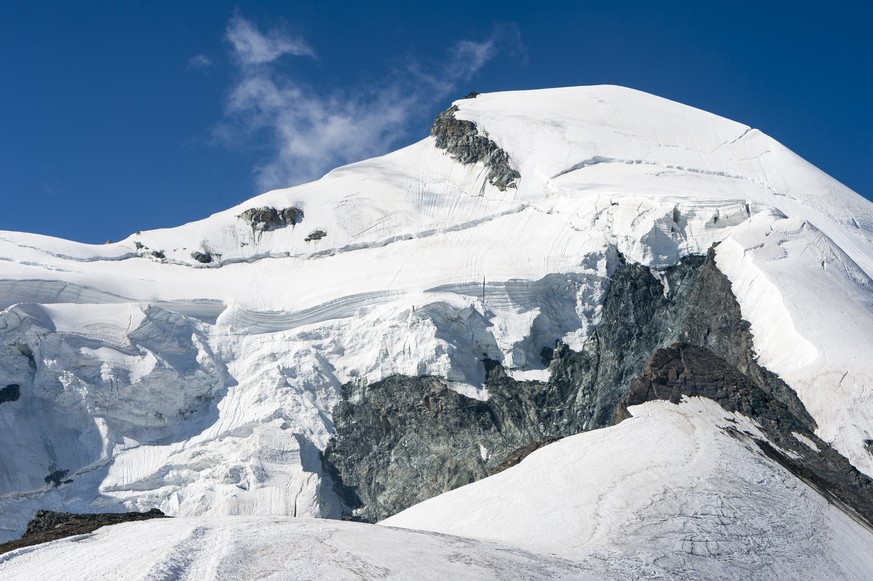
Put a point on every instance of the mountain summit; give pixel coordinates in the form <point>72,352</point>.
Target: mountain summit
<point>683,300</point>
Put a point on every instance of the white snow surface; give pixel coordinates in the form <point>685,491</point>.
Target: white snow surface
<point>667,494</point>
<point>276,549</point>
<point>207,388</point>
<point>686,500</point>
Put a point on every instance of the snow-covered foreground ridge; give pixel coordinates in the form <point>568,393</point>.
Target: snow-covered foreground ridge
<point>691,499</point>
<point>195,369</point>
<point>279,549</point>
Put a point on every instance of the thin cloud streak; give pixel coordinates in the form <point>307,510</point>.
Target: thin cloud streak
<point>200,61</point>
<point>310,132</point>
<point>252,47</point>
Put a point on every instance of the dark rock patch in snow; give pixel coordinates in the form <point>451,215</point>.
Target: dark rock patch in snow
<point>10,393</point>
<point>403,440</point>
<point>202,257</point>
<point>265,219</point>
<point>521,453</point>
<point>316,234</point>
<point>57,476</point>
<point>50,526</point>
<point>463,142</point>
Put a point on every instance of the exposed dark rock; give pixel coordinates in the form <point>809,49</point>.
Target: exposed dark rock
<point>422,438</point>
<point>10,393</point>
<point>471,95</point>
<point>203,257</point>
<point>685,370</point>
<point>316,234</point>
<point>868,445</point>
<point>395,452</point>
<point>157,254</point>
<point>463,142</point>
<point>266,218</point>
<point>50,526</point>
<point>521,453</point>
<point>832,476</point>
<point>406,439</point>
<point>716,323</point>
<point>25,350</point>
<point>693,305</point>
<point>397,437</point>
<point>56,476</point>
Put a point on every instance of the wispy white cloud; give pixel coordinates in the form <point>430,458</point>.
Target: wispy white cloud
<point>473,55</point>
<point>310,131</point>
<point>253,47</point>
<point>200,61</point>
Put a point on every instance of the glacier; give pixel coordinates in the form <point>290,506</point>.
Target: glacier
<point>149,377</point>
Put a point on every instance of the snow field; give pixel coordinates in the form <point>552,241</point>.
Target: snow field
<point>286,549</point>
<point>665,493</point>
<point>206,389</point>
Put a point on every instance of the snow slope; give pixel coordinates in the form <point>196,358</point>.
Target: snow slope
<point>207,388</point>
<point>192,549</point>
<point>686,501</point>
<point>666,494</point>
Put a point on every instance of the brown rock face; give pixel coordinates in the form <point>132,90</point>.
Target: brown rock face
<point>50,526</point>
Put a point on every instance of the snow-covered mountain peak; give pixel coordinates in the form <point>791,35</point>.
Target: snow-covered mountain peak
<point>568,145</point>
<point>575,146</point>
<point>197,368</point>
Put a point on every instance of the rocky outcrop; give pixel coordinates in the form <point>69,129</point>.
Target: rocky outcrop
<point>10,393</point>
<point>266,218</point>
<point>521,453</point>
<point>686,370</point>
<point>57,476</point>
<point>406,439</point>
<point>201,257</point>
<point>403,439</point>
<point>316,234</point>
<point>397,444</point>
<point>50,526</point>
<point>463,142</point>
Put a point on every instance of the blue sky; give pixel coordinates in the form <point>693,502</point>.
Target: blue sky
<point>125,116</point>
